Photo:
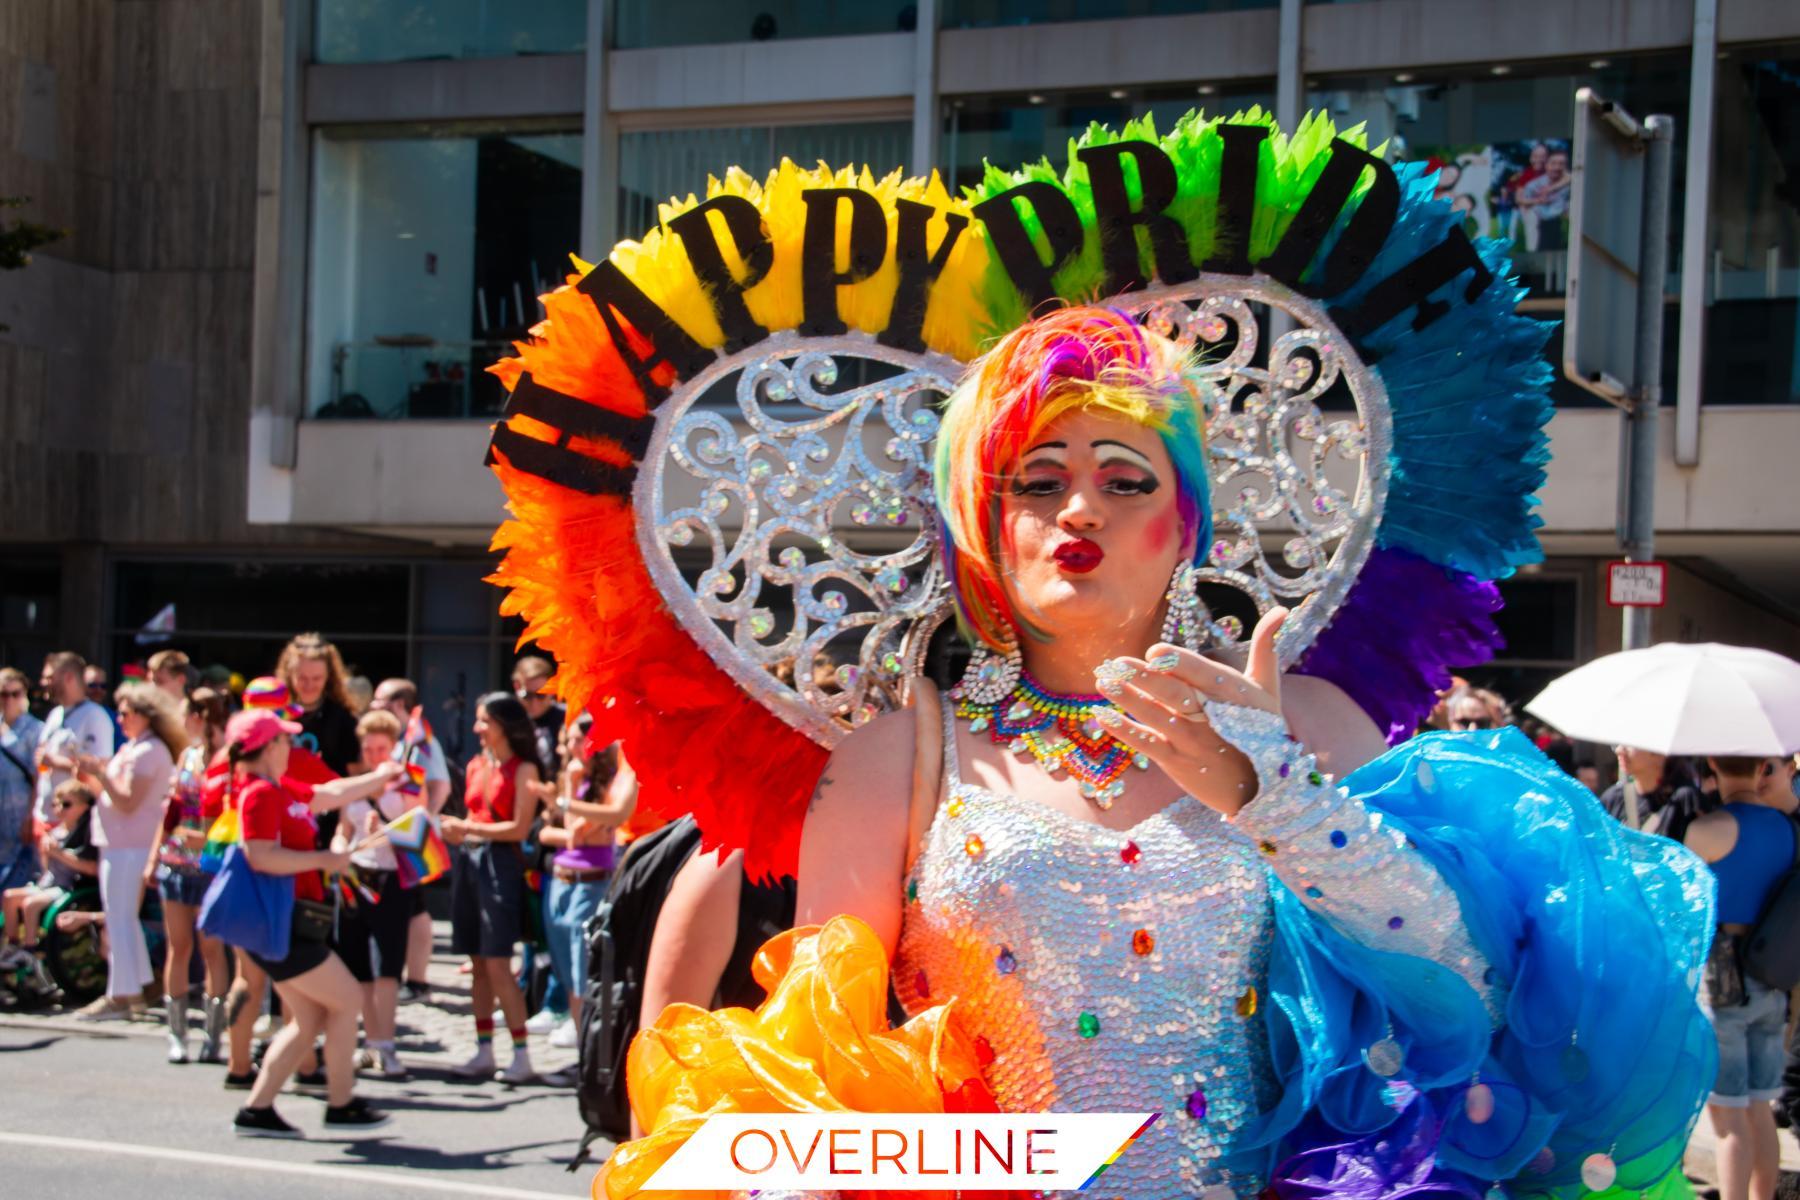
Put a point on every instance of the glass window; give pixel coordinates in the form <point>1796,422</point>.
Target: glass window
<point>655,165</point>
<point>644,23</point>
<point>30,612</point>
<point>369,31</point>
<point>1501,137</point>
<point>1540,623</point>
<point>975,14</point>
<point>1010,131</point>
<point>276,597</point>
<point>239,615</point>
<point>1753,282</point>
<point>429,251</point>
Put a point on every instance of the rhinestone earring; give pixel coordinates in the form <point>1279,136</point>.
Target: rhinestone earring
<point>990,677</point>
<point>1184,622</point>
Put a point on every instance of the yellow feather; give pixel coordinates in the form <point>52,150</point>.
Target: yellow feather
<point>957,319</point>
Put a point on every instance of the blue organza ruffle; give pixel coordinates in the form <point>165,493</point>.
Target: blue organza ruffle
<point>1596,936</point>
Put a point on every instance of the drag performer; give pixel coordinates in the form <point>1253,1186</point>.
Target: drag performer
<point>1131,862</point>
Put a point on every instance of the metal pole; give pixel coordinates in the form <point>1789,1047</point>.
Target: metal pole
<point>1702,90</point>
<point>926,117</point>
<point>1290,93</point>
<point>1638,529</point>
<point>599,143</point>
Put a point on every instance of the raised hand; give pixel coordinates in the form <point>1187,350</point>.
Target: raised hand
<point>1165,695</point>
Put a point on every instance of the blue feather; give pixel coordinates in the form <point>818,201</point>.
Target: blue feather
<point>1470,399</point>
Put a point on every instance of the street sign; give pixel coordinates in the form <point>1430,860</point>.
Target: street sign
<point>1637,584</point>
<point>1606,206</point>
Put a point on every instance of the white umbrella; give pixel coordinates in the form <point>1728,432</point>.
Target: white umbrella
<point>1678,698</point>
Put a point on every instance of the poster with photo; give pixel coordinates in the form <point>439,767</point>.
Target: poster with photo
<point>1516,190</point>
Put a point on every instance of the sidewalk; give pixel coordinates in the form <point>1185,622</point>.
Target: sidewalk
<point>1700,1166</point>
<point>435,1035</point>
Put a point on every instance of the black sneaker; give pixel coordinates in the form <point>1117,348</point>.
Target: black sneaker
<point>310,1081</point>
<point>235,1082</point>
<point>262,1122</point>
<point>356,1115</point>
<point>415,993</point>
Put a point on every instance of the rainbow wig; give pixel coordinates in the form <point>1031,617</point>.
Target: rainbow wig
<point>1072,358</point>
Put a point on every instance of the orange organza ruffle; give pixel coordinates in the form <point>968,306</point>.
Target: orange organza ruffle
<point>820,1042</point>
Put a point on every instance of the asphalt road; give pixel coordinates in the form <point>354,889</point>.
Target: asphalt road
<point>101,1116</point>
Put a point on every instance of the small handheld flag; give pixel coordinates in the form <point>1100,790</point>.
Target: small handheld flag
<point>415,752</point>
<point>420,854</point>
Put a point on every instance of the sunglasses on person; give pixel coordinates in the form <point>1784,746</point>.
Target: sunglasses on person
<point>12,693</point>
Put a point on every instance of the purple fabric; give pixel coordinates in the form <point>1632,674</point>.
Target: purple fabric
<point>584,858</point>
<point>1398,1161</point>
<point>1404,625</point>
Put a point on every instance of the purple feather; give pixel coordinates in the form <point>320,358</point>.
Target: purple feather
<point>1398,1161</point>
<point>1404,625</point>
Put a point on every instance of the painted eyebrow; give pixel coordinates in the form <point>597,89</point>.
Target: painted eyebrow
<point>1047,446</point>
<point>1127,449</point>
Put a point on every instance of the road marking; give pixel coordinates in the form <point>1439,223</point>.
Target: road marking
<point>318,1170</point>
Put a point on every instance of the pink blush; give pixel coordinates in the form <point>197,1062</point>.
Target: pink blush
<point>1160,530</point>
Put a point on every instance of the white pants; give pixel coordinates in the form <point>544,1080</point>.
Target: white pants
<point>121,892</point>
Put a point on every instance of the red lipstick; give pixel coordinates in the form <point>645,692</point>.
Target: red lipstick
<point>1079,556</point>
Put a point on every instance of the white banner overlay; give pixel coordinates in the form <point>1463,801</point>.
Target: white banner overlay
<point>1044,1152</point>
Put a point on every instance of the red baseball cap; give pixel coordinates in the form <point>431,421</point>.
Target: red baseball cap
<point>255,728</point>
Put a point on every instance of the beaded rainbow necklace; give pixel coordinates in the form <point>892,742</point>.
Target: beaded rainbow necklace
<point>1060,732</point>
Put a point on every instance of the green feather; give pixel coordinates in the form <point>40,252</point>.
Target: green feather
<point>1287,169</point>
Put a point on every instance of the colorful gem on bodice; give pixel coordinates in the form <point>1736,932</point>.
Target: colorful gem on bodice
<point>1061,732</point>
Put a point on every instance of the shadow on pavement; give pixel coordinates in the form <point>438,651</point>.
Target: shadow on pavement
<point>430,1158</point>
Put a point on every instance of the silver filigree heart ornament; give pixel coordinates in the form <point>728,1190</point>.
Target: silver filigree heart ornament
<point>785,511</point>
<point>785,507</point>
<point>1297,489</point>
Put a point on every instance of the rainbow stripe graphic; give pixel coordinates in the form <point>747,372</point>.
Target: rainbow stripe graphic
<point>415,750</point>
<point>420,854</point>
<point>223,835</point>
<point>1123,1147</point>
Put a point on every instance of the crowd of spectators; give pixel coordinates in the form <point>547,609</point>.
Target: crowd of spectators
<point>119,809</point>
<point>114,807</point>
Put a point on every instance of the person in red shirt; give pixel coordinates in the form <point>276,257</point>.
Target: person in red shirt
<point>305,771</point>
<point>280,837</point>
<point>487,886</point>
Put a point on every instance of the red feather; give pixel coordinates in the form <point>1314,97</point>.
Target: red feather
<point>697,741</point>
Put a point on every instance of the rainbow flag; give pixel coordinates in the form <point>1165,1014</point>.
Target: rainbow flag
<point>420,854</point>
<point>415,751</point>
<point>223,835</point>
<point>351,886</point>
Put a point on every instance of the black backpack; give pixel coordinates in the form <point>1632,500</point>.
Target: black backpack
<point>1772,948</point>
<point>618,939</point>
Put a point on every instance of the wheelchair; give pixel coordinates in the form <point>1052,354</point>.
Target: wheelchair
<point>75,959</point>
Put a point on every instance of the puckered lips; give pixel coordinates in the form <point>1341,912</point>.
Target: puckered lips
<point>1078,556</point>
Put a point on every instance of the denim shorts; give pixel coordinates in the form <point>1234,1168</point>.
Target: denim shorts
<point>181,886</point>
<point>567,907</point>
<point>1751,1050</point>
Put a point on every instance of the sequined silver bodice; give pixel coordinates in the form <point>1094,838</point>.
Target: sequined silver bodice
<point>1110,971</point>
<point>1103,971</point>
